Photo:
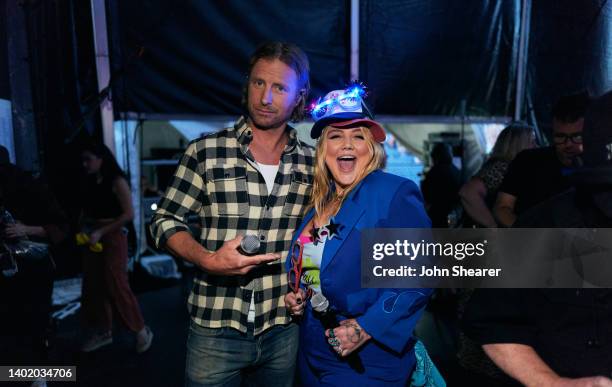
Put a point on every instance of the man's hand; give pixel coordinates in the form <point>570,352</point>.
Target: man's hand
<point>228,260</point>
<point>15,230</point>
<point>295,302</point>
<point>594,381</point>
<point>346,338</point>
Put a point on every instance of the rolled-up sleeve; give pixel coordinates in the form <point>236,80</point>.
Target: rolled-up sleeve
<point>184,195</point>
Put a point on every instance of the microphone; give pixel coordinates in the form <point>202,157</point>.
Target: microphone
<point>320,305</point>
<point>249,245</point>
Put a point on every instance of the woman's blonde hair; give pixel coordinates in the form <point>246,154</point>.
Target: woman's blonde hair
<point>513,139</point>
<point>322,193</point>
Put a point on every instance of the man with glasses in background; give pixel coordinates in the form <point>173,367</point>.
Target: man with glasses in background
<point>537,174</point>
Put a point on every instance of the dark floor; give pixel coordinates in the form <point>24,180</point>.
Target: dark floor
<point>163,365</point>
<point>118,364</point>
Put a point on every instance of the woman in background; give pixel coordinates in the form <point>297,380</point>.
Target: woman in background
<point>107,208</point>
<point>479,193</point>
<point>478,197</point>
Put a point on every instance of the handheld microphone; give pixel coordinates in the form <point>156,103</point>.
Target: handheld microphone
<point>250,245</point>
<point>320,305</point>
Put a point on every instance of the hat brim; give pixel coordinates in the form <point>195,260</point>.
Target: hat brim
<point>347,120</point>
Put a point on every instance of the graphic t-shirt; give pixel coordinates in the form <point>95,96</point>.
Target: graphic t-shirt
<point>312,256</point>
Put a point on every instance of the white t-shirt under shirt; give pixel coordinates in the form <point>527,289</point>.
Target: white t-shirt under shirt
<point>269,174</point>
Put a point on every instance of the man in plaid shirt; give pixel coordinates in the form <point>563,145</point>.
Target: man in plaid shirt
<point>252,179</point>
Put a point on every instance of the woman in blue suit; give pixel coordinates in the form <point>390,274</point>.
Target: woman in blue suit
<point>373,344</point>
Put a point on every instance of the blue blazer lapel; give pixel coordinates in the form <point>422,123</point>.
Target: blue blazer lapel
<point>303,224</point>
<point>347,217</point>
<point>296,235</point>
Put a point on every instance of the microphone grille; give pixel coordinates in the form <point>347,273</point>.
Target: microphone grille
<point>250,244</point>
<point>319,303</point>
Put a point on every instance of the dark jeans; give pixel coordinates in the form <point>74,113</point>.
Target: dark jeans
<point>227,357</point>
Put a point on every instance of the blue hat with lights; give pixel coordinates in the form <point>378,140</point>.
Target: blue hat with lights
<point>344,109</point>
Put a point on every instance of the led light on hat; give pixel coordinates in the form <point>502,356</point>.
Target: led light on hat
<point>339,101</point>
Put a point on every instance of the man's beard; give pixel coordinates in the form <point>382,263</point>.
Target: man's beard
<point>570,159</point>
<point>271,125</point>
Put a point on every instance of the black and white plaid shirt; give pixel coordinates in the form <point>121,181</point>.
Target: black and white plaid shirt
<point>218,180</point>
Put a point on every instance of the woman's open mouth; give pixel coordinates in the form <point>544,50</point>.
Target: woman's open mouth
<point>346,163</point>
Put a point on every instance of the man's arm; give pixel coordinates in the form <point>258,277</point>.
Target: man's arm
<point>504,209</point>
<point>185,194</point>
<point>225,261</point>
<point>522,363</point>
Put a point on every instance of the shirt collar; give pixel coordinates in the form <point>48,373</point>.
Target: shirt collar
<point>244,135</point>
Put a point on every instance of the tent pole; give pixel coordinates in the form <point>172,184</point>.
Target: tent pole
<point>98,15</point>
<point>354,40</point>
<point>522,58</point>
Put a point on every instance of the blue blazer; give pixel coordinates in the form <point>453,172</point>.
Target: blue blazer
<point>381,200</point>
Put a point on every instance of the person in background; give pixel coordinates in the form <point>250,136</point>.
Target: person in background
<point>373,344</point>
<point>28,212</point>
<point>441,186</point>
<point>537,174</point>
<point>478,197</point>
<point>107,209</point>
<point>479,193</point>
<point>559,336</point>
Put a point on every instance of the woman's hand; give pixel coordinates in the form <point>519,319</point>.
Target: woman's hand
<point>346,338</point>
<point>95,237</point>
<point>295,302</point>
